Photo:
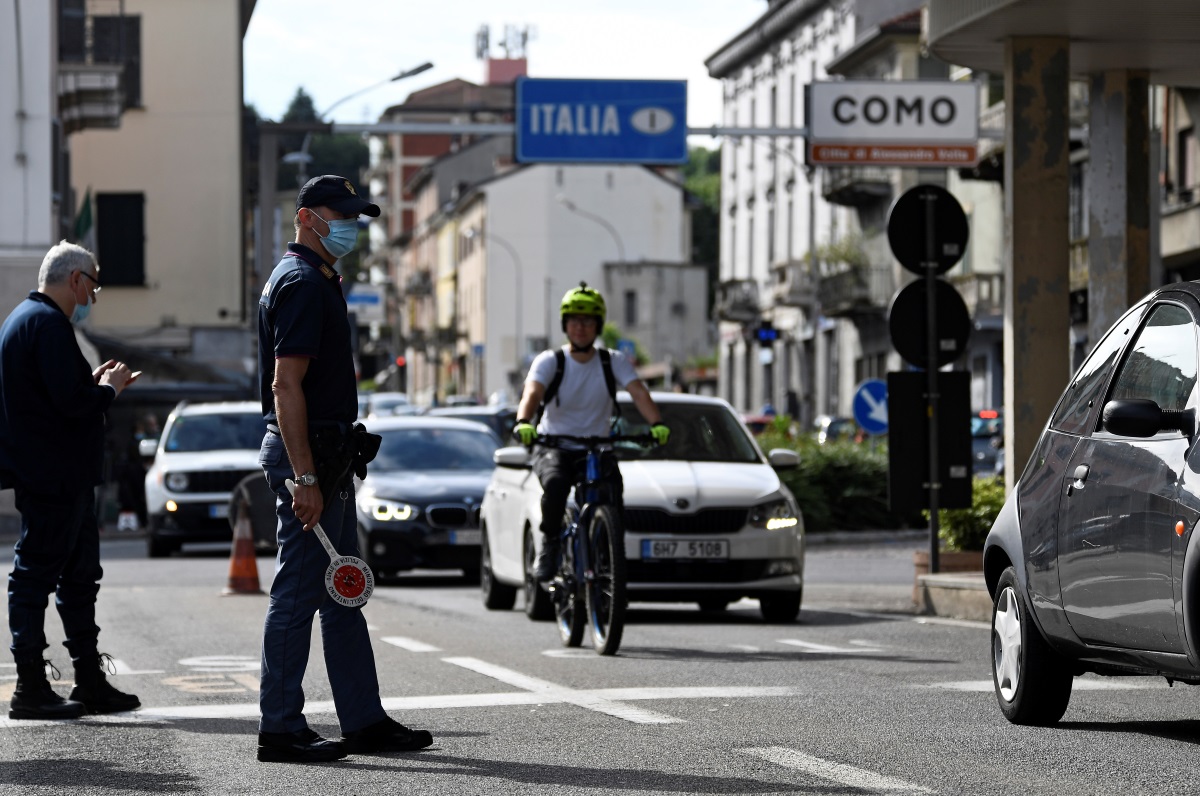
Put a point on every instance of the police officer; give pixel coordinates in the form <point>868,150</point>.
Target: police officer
<point>308,381</point>
<point>52,407</point>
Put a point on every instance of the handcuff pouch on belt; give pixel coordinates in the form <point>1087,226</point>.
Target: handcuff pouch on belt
<point>337,454</point>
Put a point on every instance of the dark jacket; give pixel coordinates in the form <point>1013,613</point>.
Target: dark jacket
<point>51,409</point>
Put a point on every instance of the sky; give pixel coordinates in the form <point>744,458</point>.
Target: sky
<point>367,41</point>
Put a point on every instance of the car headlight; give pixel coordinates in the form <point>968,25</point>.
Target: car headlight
<point>390,510</point>
<point>774,516</point>
<point>177,482</point>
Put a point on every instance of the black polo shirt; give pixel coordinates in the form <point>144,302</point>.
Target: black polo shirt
<point>302,313</point>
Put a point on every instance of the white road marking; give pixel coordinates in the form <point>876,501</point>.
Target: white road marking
<point>242,710</point>
<point>566,652</point>
<point>123,668</point>
<point>222,663</point>
<point>1080,684</point>
<point>745,647</point>
<point>836,772</point>
<point>808,646</point>
<point>921,620</point>
<point>557,693</point>
<point>410,644</point>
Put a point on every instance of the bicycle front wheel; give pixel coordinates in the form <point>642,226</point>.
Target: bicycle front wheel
<point>606,587</point>
<point>566,594</point>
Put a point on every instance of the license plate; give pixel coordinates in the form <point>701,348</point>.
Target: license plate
<point>218,511</point>
<point>686,548</point>
<point>465,537</point>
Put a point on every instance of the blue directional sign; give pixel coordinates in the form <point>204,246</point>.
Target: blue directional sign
<point>627,347</point>
<point>601,121</point>
<point>870,407</point>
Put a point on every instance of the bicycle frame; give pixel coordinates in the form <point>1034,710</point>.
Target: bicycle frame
<point>577,580</point>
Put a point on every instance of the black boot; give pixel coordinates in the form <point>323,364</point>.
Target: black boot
<point>546,566</point>
<point>93,689</point>
<point>34,698</point>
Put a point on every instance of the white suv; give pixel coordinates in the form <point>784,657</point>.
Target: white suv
<point>205,450</point>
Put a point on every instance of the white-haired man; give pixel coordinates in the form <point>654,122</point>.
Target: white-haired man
<point>52,407</point>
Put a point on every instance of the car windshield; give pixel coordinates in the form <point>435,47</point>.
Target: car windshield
<point>986,426</point>
<point>216,432</point>
<point>386,406</point>
<point>699,433</point>
<point>422,449</point>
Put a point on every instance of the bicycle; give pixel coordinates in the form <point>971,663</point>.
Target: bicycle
<point>591,570</point>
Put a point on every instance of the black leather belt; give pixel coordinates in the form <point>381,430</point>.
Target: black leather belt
<point>274,429</point>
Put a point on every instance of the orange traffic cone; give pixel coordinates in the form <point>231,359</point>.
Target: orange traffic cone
<point>243,568</point>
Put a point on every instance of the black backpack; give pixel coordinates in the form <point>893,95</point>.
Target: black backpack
<point>560,364</point>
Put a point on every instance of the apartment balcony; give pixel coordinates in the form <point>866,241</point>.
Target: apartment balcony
<point>856,291</point>
<point>793,286</point>
<point>90,96</point>
<point>857,186</point>
<point>982,293</point>
<point>737,301</point>
<point>419,284</point>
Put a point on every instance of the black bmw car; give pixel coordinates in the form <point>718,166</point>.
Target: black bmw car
<point>419,504</point>
<point>1093,563</point>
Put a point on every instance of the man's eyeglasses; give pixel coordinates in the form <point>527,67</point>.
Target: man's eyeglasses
<point>94,280</point>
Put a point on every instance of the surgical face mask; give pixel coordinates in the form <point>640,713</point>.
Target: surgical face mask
<point>342,237</point>
<point>82,310</point>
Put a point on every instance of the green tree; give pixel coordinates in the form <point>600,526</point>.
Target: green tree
<point>702,178</point>
<point>345,154</point>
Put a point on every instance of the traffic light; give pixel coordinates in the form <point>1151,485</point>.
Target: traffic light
<point>766,333</point>
<point>402,373</point>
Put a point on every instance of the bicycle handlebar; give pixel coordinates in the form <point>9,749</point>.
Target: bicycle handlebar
<point>552,439</point>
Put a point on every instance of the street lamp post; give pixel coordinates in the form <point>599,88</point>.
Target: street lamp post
<point>517,268</point>
<point>567,203</point>
<point>302,158</point>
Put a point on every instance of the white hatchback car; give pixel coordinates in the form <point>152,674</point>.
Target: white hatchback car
<point>707,518</point>
<point>205,450</point>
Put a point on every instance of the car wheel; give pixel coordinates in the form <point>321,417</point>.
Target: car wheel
<point>713,604</point>
<point>1033,683</point>
<point>538,605</point>
<point>496,596</point>
<point>158,548</point>
<point>782,608</point>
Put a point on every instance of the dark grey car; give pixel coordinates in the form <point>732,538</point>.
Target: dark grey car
<point>1092,563</point>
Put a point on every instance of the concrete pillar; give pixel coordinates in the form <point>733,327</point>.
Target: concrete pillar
<point>1036,178</point>
<point>1118,194</point>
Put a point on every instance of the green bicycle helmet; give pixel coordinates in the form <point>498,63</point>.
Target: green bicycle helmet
<point>582,300</point>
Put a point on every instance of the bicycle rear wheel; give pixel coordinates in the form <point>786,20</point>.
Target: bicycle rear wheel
<point>567,595</point>
<point>606,588</point>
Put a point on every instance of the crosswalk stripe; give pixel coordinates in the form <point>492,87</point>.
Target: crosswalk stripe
<point>836,772</point>
<point>410,644</point>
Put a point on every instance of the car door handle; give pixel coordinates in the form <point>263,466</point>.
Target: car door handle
<point>1081,474</point>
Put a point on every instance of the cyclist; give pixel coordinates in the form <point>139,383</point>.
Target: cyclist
<point>572,391</point>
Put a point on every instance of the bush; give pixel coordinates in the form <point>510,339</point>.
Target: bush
<point>966,529</point>
<point>839,486</point>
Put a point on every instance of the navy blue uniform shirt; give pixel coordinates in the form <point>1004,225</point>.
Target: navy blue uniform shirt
<point>51,409</point>
<point>302,313</point>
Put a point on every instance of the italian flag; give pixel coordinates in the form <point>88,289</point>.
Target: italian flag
<point>85,229</point>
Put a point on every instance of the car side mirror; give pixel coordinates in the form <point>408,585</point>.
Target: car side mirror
<point>515,456</point>
<point>147,448</point>
<point>783,459</point>
<point>1141,417</point>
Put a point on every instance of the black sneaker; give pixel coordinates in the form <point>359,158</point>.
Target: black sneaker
<point>387,735</point>
<point>305,746</point>
<point>546,566</point>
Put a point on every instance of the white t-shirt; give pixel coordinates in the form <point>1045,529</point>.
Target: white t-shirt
<point>582,407</point>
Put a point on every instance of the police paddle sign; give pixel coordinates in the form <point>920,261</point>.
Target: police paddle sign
<point>348,580</point>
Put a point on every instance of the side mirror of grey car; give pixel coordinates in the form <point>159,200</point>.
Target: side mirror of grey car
<point>1141,417</point>
<point>783,459</point>
<point>147,448</point>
